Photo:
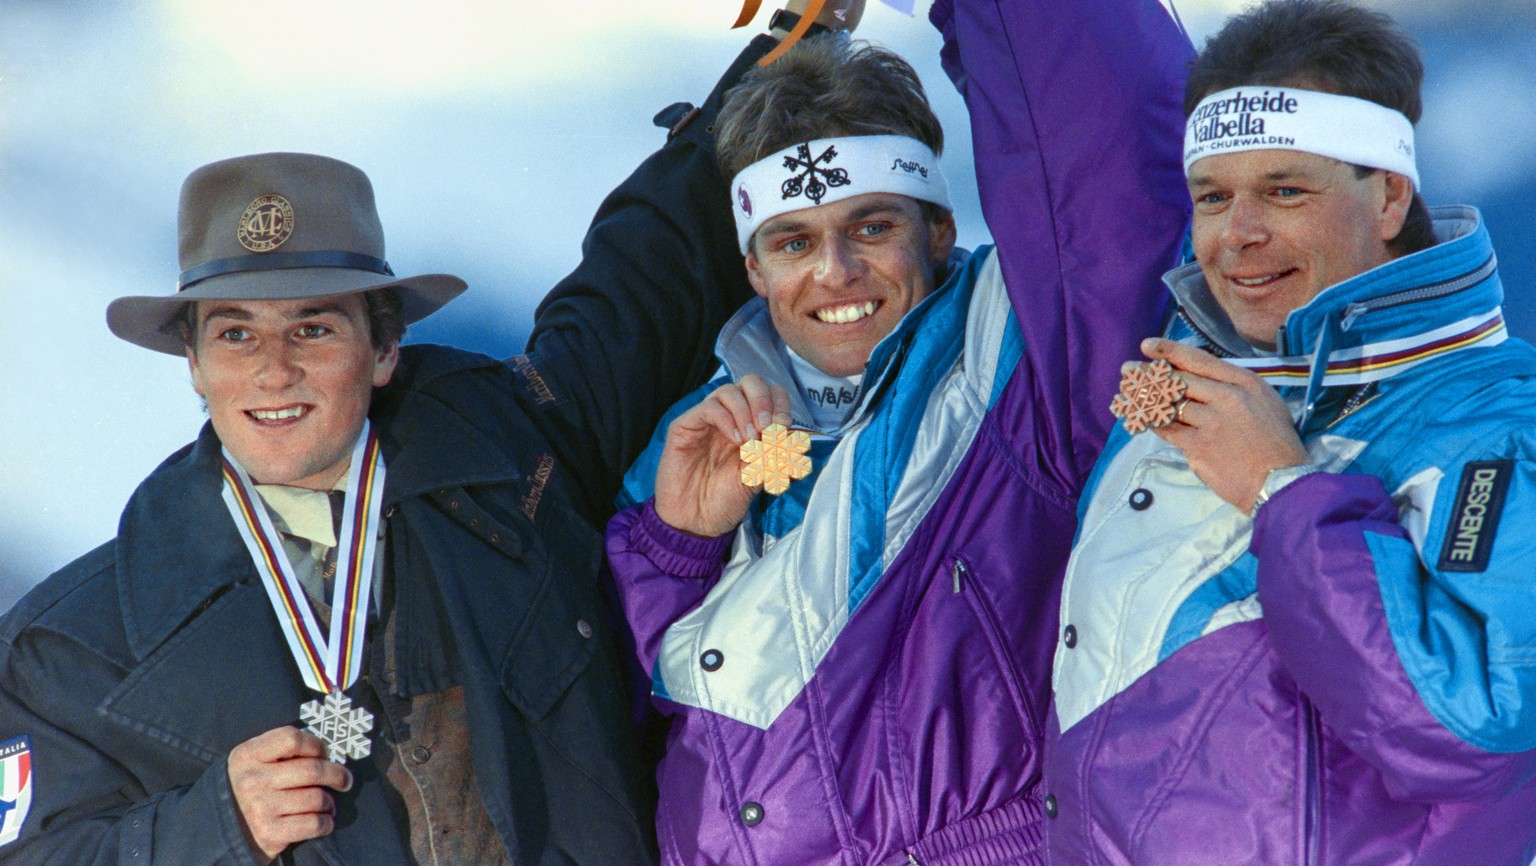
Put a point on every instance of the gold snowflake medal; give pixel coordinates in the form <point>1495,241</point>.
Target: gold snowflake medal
<point>1150,397</point>
<point>776,459</point>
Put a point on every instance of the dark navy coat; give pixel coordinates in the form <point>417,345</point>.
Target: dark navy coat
<point>135,669</point>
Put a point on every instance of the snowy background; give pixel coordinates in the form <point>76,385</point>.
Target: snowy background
<point>491,130</point>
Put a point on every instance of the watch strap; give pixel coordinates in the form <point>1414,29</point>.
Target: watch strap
<point>785,20</point>
<point>1277,480</point>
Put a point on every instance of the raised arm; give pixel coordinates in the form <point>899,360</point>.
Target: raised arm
<point>1077,128</point>
<point>632,329</point>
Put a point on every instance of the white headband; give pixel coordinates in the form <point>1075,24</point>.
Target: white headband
<point>829,170</point>
<point>1342,127</point>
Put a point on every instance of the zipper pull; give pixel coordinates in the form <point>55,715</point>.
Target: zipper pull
<point>1352,312</point>
<point>957,571</point>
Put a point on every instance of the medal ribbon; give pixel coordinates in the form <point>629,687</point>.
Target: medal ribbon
<point>1376,361</point>
<point>326,664</point>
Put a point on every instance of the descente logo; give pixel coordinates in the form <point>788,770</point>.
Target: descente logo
<point>1237,115</point>
<point>1475,519</point>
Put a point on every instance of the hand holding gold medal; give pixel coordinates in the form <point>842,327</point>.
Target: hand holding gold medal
<point>719,452</point>
<point>775,459</point>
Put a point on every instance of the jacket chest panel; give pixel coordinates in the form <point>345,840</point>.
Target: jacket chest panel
<point>1153,535</point>
<point>1194,773</point>
<point>222,678</point>
<point>533,607</point>
<point>780,606</point>
<point>1161,560</point>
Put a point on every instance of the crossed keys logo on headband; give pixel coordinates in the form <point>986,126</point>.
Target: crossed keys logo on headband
<point>815,189</point>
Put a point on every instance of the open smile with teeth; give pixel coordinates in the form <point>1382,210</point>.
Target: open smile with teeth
<point>846,313</point>
<point>1258,282</point>
<point>285,414</point>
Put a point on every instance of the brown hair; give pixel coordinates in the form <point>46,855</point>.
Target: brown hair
<point>1325,45</point>
<point>824,87</point>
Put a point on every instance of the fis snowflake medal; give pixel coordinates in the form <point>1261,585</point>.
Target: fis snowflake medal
<point>776,459</point>
<point>1150,397</point>
<point>344,729</point>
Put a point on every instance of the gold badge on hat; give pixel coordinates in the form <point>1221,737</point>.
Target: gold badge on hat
<point>1150,397</point>
<point>266,224</point>
<point>776,459</point>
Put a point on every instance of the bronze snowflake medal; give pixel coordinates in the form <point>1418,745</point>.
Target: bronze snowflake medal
<point>1149,397</point>
<point>776,459</point>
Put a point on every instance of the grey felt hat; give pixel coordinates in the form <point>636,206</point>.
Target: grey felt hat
<point>274,226</point>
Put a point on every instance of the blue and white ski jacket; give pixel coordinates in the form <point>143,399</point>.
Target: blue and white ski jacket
<point>1351,677</point>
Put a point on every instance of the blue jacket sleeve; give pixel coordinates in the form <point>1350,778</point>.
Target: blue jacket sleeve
<point>1077,126</point>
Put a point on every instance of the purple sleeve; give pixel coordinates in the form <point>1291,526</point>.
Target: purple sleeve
<point>661,573</point>
<point>1077,124</point>
<point>1326,545</point>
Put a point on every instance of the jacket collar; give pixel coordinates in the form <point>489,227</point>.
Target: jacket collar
<point>1450,281</point>
<point>177,544</point>
<point>1388,320</point>
<point>448,434</point>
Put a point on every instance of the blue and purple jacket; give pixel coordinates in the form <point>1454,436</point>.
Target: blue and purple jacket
<point>1351,677</point>
<point>860,675</point>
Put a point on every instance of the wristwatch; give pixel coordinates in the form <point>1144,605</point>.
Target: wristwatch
<point>785,20</point>
<point>1276,480</point>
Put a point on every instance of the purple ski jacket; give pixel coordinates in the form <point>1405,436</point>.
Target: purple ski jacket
<point>1350,677</point>
<point>860,674</point>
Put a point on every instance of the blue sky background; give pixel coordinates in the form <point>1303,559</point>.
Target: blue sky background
<point>491,130</point>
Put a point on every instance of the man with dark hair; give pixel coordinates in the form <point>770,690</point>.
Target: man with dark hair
<point>1334,48</point>
<point>856,663</point>
<point>1298,622</point>
<point>397,547</point>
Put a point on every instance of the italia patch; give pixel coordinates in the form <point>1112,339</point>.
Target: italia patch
<point>1475,518</point>
<point>15,786</point>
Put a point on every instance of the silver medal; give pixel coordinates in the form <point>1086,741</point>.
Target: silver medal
<point>344,729</point>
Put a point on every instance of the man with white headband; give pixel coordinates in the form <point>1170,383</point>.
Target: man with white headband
<point>1299,620</point>
<point>856,663</point>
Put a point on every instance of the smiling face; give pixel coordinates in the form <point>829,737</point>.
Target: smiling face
<point>288,383</point>
<point>839,277</point>
<point>1273,228</point>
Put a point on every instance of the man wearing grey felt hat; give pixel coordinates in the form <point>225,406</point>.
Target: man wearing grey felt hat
<point>360,618</point>
<point>319,236</point>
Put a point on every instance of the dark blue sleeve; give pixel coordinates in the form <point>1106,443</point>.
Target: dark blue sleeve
<point>632,329</point>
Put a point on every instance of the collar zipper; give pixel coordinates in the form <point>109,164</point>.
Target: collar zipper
<point>1449,287</point>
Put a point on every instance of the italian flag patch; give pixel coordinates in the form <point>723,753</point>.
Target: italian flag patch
<point>15,786</point>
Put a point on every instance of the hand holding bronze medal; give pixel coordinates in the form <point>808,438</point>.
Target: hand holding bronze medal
<point>776,458</point>
<point>1150,397</point>
<point>328,666</point>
